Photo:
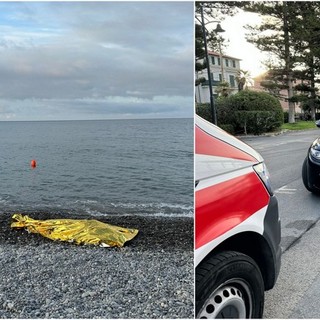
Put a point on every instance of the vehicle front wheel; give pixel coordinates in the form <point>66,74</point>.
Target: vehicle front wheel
<point>229,285</point>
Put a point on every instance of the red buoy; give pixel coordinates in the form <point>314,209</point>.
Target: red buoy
<point>33,164</point>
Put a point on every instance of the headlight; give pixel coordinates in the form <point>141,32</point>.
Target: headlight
<point>263,173</point>
<point>315,153</point>
<point>315,150</point>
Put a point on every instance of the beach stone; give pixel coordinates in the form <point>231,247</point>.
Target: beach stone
<point>151,277</point>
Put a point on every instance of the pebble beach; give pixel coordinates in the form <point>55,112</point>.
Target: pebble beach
<point>151,277</point>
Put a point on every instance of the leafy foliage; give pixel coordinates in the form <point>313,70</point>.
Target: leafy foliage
<point>217,10</point>
<point>223,89</point>
<point>199,48</point>
<point>204,111</point>
<point>245,112</point>
<point>274,35</point>
<point>250,112</point>
<point>213,11</point>
<point>290,33</point>
<point>243,79</point>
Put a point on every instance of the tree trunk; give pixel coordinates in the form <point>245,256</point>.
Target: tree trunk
<point>292,110</point>
<point>288,65</point>
<point>313,87</point>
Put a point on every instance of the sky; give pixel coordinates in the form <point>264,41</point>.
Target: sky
<point>96,60</point>
<point>251,58</point>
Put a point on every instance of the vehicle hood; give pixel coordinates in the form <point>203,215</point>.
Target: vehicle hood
<point>218,152</point>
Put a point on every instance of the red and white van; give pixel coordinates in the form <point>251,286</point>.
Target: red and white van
<point>237,226</point>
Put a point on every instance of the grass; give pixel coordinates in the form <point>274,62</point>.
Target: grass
<point>300,125</point>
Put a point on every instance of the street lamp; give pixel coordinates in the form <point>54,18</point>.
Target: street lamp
<point>218,29</point>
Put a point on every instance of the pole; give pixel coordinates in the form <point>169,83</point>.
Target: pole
<point>221,62</point>
<point>213,109</point>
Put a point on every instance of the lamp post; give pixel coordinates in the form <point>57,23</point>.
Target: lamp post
<point>218,29</point>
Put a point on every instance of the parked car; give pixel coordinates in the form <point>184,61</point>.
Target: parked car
<point>237,226</point>
<point>311,168</point>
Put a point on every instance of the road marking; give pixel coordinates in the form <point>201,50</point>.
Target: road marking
<point>285,190</point>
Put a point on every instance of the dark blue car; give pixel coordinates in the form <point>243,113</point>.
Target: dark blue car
<point>311,168</point>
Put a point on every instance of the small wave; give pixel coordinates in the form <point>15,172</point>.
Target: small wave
<point>93,208</point>
<point>6,199</point>
<point>155,214</point>
<point>151,205</point>
<point>86,201</point>
<point>96,208</point>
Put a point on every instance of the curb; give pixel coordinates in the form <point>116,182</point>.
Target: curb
<point>267,134</point>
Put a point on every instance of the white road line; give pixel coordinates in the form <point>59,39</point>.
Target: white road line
<point>285,190</point>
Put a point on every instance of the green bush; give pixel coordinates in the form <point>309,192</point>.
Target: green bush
<point>250,112</point>
<point>228,127</point>
<point>204,111</point>
<point>256,122</point>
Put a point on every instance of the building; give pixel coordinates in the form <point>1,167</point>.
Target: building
<point>281,93</point>
<point>223,68</point>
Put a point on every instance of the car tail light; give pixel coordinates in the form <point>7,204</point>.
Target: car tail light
<point>263,174</point>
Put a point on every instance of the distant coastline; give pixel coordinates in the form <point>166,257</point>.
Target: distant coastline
<point>113,119</point>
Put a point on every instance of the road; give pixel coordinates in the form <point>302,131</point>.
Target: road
<point>298,287</point>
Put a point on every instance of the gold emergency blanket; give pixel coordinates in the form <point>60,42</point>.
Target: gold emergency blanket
<point>78,231</point>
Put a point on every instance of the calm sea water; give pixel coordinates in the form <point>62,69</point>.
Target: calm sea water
<point>139,167</point>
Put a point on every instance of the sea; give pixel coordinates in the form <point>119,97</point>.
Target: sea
<point>98,167</point>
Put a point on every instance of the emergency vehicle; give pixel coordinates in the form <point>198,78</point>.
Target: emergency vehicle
<point>237,226</point>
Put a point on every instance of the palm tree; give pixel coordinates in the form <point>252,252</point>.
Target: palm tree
<point>243,79</point>
<point>223,89</point>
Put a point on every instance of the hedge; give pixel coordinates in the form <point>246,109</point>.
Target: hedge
<point>246,112</point>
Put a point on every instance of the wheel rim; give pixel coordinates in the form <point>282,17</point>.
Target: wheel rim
<point>230,300</point>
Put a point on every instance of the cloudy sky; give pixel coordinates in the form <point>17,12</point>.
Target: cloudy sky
<point>96,60</point>
<point>252,59</point>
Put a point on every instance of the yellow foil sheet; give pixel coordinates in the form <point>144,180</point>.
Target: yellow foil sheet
<point>77,231</point>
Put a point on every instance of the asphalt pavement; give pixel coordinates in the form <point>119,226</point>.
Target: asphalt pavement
<point>298,287</point>
<point>284,155</point>
<point>296,293</point>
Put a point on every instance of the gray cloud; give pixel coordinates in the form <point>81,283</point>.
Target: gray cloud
<point>83,58</point>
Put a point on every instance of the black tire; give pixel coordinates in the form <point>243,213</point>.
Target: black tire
<point>229,285</point>
<point>305,178</point>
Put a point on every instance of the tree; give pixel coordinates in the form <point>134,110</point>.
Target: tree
<point>200,62</point>
<point>250,112</point>
<point>243,79</point>
<point>218,10</point>
<point>274,83</point>
<point>274,36</point>
<point>290,33</point>
<point>223,89</point>
<point>307,48</point>
<point>213,11</point>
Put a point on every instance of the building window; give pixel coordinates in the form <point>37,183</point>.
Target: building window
<point>227,62</point>
<point>234,63</point>
<point>219,61</point>
<point>220,77</point>
<point>232,81</point>
<point>212,60</point>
